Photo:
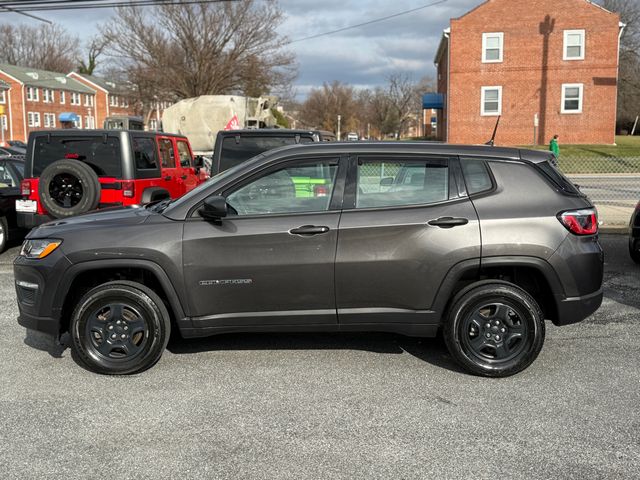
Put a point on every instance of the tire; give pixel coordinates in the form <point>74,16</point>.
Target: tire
<point>4,233</point>
<point>133,313</point>
<point>508,315</point>
<point>633,253</point>
<point>69,187</point>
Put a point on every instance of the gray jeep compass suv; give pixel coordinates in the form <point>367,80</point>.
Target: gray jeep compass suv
<point>481,243</point>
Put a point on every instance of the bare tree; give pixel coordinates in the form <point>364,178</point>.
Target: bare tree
<point>180,51</point>
<point>47,47</point>
<point>323,105</point>
<point>94,50</point>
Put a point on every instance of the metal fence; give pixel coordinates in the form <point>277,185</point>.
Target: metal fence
<point>612,184</point>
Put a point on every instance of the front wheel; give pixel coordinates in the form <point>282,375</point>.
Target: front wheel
<point>4,233</point>
<point>119,328</point>
<point>494,330</point>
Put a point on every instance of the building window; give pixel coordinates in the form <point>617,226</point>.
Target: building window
<point>32,94</point>
<point>153,125</point>
<point>574,45</point>
<point>75,98</point>
<point>50,120</point>
<point>491,102</point>
<point>572,96</point>
<point>62,99</point>
<point>492,47</point>
<point>88,100</point>
<point>47,95</point>
<point>78,122</point>
<point>89,122</point>
<point>113,101</point>
<point>3,96</point>
<point>33,119</point>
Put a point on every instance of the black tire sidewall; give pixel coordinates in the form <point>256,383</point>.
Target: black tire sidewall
<point>146,301</point>
<point>88,179</point>
<point>4,228</point>
<point>511,295</point>
<point>634,254</point>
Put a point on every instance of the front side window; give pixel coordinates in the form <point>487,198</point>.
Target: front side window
<point>574,41</point>
<point>297,188</point>
<point>492,47</point>
<point>184,153</point>
<point>391,183</point>
<point>491,101</point>
<point>572,97</point>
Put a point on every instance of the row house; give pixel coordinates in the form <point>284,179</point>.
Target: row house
<point>544,67</point>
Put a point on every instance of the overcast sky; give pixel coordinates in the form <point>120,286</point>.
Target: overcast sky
<point>362,56</point>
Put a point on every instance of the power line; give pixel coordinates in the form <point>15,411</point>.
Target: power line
<point>44,5</point>
<point>368,22</point>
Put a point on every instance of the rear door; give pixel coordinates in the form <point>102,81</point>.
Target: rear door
<point>407,222</point>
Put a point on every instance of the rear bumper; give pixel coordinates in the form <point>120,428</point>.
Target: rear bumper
<point>30,220</point>
<point>575,309</point>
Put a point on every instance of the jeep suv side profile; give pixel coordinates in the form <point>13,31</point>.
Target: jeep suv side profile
<point>68,172</point>
<point>481,243</point>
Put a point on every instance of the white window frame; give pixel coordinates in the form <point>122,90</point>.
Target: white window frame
<point>485,37</point>
<point>3,97</point>
<point>62,99</point>
<point>113,101</point>
<point>4,124</point>
<point>50,120</point>
<point>78,123</point>
<point>47,95</point>
<point>565,86</point>
<point>565,48</point>
<point>33,119</point>
<point>88,100</point>
<point>32,94</point>
<point>483,92</point>
<point>75,98</point>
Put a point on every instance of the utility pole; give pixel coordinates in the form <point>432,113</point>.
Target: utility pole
<point>339,120</point>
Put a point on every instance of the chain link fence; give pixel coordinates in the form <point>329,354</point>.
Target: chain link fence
<point>612,184</point>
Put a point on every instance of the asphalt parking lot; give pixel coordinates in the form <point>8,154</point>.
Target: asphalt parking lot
<point>330,406</point>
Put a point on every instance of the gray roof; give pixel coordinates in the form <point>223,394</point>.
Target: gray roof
<point>34,77</point>
<point>108,85</point>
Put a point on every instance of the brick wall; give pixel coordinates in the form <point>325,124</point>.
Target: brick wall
<point>531,84</point>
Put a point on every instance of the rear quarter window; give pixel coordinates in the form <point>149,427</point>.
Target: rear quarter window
<point>101,153</point>
<point>476,175</point>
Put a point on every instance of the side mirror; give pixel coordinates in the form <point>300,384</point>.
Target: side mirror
<point>214,208</point>
<point>198,161</point>
<point>386,182</point>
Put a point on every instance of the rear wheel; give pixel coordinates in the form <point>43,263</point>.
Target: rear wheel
<point>494,330</point>
<point>119,328</point>
<point>4,233</point>
<point>634,249</point>
<point>69,187</point>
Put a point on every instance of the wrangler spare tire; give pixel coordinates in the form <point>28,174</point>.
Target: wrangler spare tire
<point>69,187</point>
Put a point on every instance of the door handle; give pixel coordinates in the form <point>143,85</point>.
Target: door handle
<point>448,222</point>
<point>168,177</point>
<point>309,230</point>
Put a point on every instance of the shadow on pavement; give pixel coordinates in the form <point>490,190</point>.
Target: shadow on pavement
<point>46,343</point>
<point>429,350</point>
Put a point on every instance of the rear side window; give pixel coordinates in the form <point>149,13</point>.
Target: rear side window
<point>100,153</point>
<point>237,150</point>
<point>145,157</point>
<point>399,182</point>
<point>558,178</point>
<point>476,176</point>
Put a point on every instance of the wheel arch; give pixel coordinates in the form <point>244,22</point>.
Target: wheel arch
<point>84,276</point>
<point>153,194</point>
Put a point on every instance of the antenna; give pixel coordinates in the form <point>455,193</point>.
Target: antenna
<point>495,130</point>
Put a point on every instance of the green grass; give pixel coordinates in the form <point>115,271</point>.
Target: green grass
<point>624,157</point>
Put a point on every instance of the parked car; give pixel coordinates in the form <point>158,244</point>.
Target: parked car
<point>233,147</point>
<point>12,152</point>
<point>68,172</point>
<point>634,235</point>
<point>493,242</point>
<point>11,174</point>
<point>352,137</point>
<point>17,143</point>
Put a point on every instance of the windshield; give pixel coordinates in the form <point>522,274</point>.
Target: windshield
<point>216,178</point>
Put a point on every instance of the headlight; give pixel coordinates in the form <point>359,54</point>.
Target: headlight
<point>38,248</point>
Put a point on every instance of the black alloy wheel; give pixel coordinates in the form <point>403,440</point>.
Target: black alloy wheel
<point>494,329</point>
<point>119,327</point>
<point>66,190</point>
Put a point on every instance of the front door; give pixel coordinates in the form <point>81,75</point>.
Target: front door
<point>405,223</point>
<point>271,260</point>
<point>189,176</point>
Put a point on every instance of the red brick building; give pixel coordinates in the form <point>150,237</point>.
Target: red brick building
<point>545,66</point>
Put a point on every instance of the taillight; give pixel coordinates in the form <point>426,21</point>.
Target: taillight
<point>580,222</point>
<point>72,156</point>
<point>25,187</point>
<point>320,191</point>
<point>129,189</point>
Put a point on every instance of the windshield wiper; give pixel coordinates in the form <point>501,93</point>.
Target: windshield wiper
<point>159,206</point>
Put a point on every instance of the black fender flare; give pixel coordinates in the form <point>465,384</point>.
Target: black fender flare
<point>175,302</point>
<point>154,194</point>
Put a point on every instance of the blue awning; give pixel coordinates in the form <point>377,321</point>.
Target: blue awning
<point>68,117</point>
<point>433,100</point>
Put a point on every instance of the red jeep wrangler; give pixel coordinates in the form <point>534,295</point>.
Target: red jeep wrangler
<point>68,172</point>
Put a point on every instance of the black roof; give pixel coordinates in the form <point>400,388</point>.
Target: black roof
<point>76,132</point>
<point>273,132</point>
